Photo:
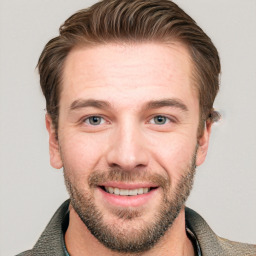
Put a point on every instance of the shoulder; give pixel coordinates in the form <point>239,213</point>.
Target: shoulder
<point>51,241</point>
<point>213,245</point>
<point>26,253</point>
<point>236,248</point>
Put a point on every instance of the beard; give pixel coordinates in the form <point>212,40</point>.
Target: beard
<point>132,234</point>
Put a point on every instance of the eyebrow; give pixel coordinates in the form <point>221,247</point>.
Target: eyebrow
<point>80,103</point>
<point>176,103</point>
<point>154,104</point>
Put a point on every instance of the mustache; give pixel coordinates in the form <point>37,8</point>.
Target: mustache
<point>121,175</point>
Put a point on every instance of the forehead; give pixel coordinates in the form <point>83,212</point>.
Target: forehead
<point>117,70</point>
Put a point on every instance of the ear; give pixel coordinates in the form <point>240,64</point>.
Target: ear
<point>55,158</point>
<point>203,143</point>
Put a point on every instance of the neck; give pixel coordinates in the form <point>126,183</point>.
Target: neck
<point>79,241</point>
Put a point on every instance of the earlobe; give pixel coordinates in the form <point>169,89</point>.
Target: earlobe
<point>203,143</point>
<point>55,158</point>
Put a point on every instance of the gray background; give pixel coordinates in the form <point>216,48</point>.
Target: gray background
<point>225,187</point>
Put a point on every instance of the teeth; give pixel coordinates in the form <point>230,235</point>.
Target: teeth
<point>140,191</point>
<point>123,192</point>
<point>111,190</point>
<point>116,191</point>
<point>145,190</point>
<point>127,192</point>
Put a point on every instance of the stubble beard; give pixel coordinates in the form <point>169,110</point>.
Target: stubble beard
<point>144,235</point>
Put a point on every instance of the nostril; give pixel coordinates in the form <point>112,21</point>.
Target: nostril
<point>114,165</point>
<point>128,159</point>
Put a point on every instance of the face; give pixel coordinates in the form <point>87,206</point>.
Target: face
<point>127,139</point>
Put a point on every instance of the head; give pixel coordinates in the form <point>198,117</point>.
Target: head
<point>129,88</point>
<point>132,22</point>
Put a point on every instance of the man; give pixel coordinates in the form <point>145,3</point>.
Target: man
<point>129,88</point>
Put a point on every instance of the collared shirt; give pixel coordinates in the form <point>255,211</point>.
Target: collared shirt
<point>194,241</point>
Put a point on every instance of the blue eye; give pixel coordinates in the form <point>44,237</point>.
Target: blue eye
<point>159,120</point>
<point>94,120</point>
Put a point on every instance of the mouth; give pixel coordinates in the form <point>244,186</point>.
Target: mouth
<point>127,195</point>
<point>127,192</point>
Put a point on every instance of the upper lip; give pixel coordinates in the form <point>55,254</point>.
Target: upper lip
<point>122,185</point>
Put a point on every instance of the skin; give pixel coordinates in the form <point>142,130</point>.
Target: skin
<point>128,78</point>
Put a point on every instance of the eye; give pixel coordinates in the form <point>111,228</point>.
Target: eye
<point>159,120</point>
<point>94,120</point>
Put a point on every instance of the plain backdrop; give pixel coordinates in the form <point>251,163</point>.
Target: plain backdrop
<point>31,190</point>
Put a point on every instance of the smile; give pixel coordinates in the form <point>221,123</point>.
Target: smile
<point>126,192</point>
<point>127,195</point>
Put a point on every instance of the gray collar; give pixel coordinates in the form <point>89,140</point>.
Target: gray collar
<point>194,241</point>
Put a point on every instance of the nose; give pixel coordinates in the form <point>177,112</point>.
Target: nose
<point>127,148</point>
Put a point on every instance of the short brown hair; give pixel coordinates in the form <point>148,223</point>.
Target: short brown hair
<point>131,21</point>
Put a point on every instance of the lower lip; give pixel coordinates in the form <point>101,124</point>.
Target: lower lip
<point>128,201</point>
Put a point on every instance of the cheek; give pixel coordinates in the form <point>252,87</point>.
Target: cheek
<point>174,154</point>
<point>80,153</point>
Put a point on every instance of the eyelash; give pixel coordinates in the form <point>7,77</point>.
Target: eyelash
<point>166,119</point>
<point>94,116</point>
<point>103,120</point>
